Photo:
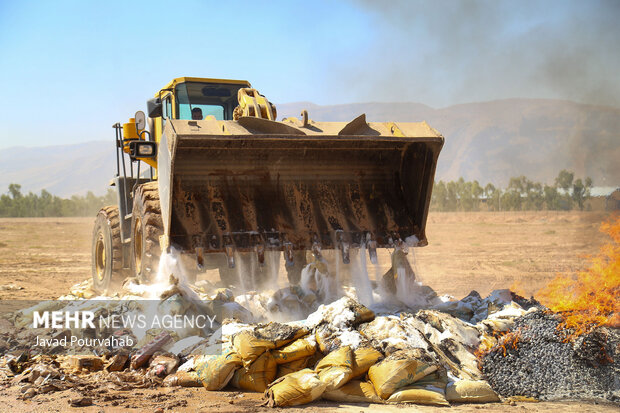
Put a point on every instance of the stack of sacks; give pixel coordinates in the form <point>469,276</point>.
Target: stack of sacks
<point>254,347</point>
<point>399,378</point>
<point>335,376</point>
<point>296,356</point>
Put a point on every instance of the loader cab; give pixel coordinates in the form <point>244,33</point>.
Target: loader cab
<point>216,98</point>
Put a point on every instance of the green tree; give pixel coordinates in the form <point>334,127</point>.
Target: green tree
<point>564,180</point>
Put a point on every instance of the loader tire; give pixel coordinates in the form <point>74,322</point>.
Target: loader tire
<point>146,228</point>
<point>107,252</point>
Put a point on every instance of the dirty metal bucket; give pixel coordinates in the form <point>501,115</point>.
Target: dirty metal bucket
<point>294,188</point>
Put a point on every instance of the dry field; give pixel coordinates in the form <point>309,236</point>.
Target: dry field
<point>42,258</point>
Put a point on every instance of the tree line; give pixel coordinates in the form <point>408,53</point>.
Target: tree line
<point>16,204</point>
<point>522,194</point>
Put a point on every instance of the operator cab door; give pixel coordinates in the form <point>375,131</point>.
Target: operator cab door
<point>166,113</point>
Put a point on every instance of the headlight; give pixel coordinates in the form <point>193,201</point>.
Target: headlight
<point>143,149</point>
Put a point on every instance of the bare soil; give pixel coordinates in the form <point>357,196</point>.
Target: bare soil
<point>41,258</point>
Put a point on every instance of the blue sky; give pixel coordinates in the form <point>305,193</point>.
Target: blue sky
<point>70,69</point>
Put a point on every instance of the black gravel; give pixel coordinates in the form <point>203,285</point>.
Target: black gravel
<point>544,367</point>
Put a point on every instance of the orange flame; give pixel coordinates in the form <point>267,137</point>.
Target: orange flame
<point>592,297</point>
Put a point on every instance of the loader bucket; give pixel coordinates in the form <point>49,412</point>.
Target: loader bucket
<point>254,184</point>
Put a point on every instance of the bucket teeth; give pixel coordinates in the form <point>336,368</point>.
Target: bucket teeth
<point>316,247</point>
<point>344,247</point>
<point>259,248</point>
<point>230,251</point>
<point>200,258</point>
<point>288,253</point>
<point>372,251</point>
<point>213,244</point>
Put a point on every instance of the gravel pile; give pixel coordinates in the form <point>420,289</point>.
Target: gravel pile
<point>539,364</point>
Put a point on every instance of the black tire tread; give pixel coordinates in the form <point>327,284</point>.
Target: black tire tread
<point>146,206</point>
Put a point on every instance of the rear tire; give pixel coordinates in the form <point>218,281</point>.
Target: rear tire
<point>107,252</point>
<point>146,228</point>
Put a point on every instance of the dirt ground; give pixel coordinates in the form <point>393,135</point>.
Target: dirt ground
<point>42,258</point>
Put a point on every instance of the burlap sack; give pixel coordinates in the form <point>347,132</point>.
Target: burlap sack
<point>335,368</point>
<point>294,389</point>
<point>396,371</point>
<point>295,366</point>
<point>257,376</point>
<point>216,371</point>
<point>355,391</point>
<point>471,391</point>
<point>363,359</point>
<point>430,390</point>
<point>298,349</point>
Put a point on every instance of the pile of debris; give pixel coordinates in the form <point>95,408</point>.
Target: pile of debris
<point>466,351</point>
<point>537,360</point>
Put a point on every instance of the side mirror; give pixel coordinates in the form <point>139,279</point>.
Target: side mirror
<point>140,118</point>
<point>153,107</point>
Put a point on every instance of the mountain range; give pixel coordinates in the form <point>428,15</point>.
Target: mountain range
<point>486,141</point>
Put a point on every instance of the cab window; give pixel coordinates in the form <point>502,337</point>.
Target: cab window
<point>218,100</point>
<point>167,108</point>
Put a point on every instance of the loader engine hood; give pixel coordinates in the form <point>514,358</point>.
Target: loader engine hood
<point>255,184</point>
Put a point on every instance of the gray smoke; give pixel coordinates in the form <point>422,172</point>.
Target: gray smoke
<point>447,52</point>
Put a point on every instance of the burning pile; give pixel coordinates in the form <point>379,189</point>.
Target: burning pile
<point>535,360</point>
<point>575,352</point>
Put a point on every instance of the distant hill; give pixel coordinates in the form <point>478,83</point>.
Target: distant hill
<point>488,141</point>
<point>63,170</point>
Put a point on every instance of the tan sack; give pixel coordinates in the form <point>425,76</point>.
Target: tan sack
<point>252,343</point>
<point>249,347</point>
<point>183,379</point>
<point>470,391</point>
<point>355,391</point>
<point>398,370</point>
<point>335,368</point>
<point>298,349</point>
<point>216,371</point>
<point>294,366</point>
<point>363,359</point>
<point>257,376</point>
<point>429,390</point>
<point>294,389</point>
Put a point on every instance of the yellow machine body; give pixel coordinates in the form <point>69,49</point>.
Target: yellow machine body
<point>237,179</point>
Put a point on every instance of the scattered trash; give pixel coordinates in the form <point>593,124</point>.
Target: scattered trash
<point>85,363</point>
<point>144,354</point>
<point>183,379</point>
<point>81,402</point>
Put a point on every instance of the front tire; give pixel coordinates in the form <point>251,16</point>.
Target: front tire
<point>107,251</point>
<point>146,228</point>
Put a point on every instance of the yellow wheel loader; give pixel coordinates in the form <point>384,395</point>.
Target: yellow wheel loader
<point>210,172</point>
